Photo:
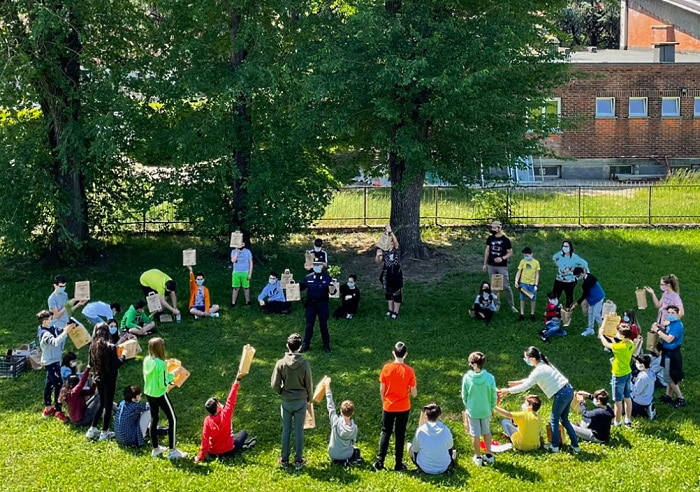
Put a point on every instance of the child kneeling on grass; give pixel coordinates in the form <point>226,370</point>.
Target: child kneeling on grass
<point>82,403</point>
<point>132,418</point>
<point>432,449</point>
<point>643,389</point>
<point>523,428</point>
<point>552,319</point>
<point>595,424</point>
<point>341,446</point>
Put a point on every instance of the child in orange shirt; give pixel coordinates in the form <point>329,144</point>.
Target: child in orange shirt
<point>200,305</point>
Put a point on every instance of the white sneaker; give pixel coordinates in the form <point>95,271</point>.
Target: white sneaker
<point>514,309</point>
<point>196,317</point>
<point>348,316</point>
<point>576,449</point>
<point>176,454</point>
<point>551,448</point>
<point>158,451</point>
<point>92,433</point>
<point>651,411</point>
<point>214,315</point>
<point>489,459</point>
<point>478,460</point>
<point>105,436</point>
<point>587,333</point>
<point>616,423</point>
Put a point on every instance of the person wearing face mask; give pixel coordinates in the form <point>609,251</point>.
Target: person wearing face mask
<point>200,302</point>
<point>69,366</point>
<point>671,333</point>
<point>593,293</point>
<point>552,319</point>
<point>391,276</point>
<point>565,281</point>
<point>60,305</point>
<point>643,389</point>
<point>523,428</point>
<point>621,372</point>
<point>81,400</point>
<point>318,285</point>
<point>484,304</point>
<point>670,296</point>
<point>595,424</point>
<point>555,386</point>
<point>526,281</point>
<point>350,299</point>
<point>136,321</point>
<point>98,311</point>
<point>271,298</point>
<point>242,260</point>
<point>320,255</point>
<point>498,250</point>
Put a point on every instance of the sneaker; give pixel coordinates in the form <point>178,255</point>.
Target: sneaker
<point>666,399</point>
<point>105,436</point>
<point>521,317</point>
<point>542,331</point>
<point>587,333</point>
<point>532,317</point>
<point>155,452</point>
<point>489,459</point>
<point>394,315</point>
<point>282,463</point>
<point>233,304</point>
<point>514,309</point>
<point>348,316</point>
<point>378,466</point>
<point>616,423</point>
<point>544,339</point>
<point>250,443</point>
<point>196,317</point>
<point>478,460</point>
<point>92,433</point>
<point>575,449</point>
<point>388,314</point>
<point>176,454</point>
<point>327,349</point>
<point>60,416</point>
<point>48,412</point>
<point>551,448</point>
<point>214,315</point>
<point>628,424</point>
<point>651,411</point>
<point>680,402</point>
<point>299,464</point>
<point>401,467</point>
<point>248,304</point>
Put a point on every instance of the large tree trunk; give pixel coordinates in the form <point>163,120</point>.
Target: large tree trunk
<point>406,191</point>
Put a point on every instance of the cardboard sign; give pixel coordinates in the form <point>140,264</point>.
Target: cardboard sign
<point>385,243</point>
<point>236,239</point>
<point>609,307</point>
<point>82,290</point>
<point>293,291</point>
<point>309,260</point>
<point>565,316</point>
<point>497,281</point>
<point>165,318</point>
<point>128,349</point>
<point>153,300</point>
<point>652,341</point>
<point>310,418</point>
<point>641,296</point>
<point>286,277</point>
<point>246,359</point>
<point>526,292</point>
<point>182,373</point>
<point>189,257</point>
<point>336,295</point>
<point>320,390</point>
<point>610,322</point>
<point>80,336</point>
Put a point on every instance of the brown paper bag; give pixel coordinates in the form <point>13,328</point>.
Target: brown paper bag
<point>153,300</point>
<point>385,243</point>
<point>80,336</point>
<point>641,296</point>
<point>189,257</point>
<point>497,281</point>
<point>309,260</point>
<point>320,390</point>
<point>35,359</point>
<point>310,418</point>
<point>286,277</point>
<point>128,349</point>
<point>165,318</point>
<point>584,307</point>
<point>652,340</point>
<point>82,290</point>
<point>565,317</point>
<point>293,291</point>
<point>182,373</point>
<point>236,239</point>
<point>246,359</point>
<point>609,307</point>
<point>610,322</point>
<point>562,434</point>
<point>336,295</point>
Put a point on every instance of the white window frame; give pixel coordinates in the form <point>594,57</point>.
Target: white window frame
<point>678,107</point>
<point>556,100</point>
<point>605,115</point>
<point>643,114</point>
<point>696,107</point>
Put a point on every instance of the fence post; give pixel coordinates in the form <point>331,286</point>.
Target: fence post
<point>508,211</point>
<point>649,206</point>
<point>579,205</point>
<point>364,207</point>
<point>143,230</point>
<point>435,194</point>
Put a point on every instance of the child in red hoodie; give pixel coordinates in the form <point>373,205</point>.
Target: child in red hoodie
<point>81,408</point>
<point>217,437</point>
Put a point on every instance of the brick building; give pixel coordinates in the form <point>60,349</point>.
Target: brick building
<point>638,17</point>
<point>634,118</point>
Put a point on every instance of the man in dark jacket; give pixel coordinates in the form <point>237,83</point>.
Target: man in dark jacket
<point>318,285</point>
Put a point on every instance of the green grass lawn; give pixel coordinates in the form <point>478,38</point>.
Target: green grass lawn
<point>43,454</point>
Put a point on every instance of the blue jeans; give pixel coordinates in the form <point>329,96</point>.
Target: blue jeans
<point>621,387</point>
<point>595,314</point>
<point>554,329</point>
<point>561,404</point>
<point>293,410</point>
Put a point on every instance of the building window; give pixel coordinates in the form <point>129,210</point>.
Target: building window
<point>552,113</point>
<point>638,107</point>
<point>548,171</point>
<point>604,107</point>
<point>696,110</point>
<point>670,107</point>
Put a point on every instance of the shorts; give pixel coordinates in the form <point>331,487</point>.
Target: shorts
<point>198,308</point>
<point>479,427</point>
<point>147,290</point>
<point>394,296</point>
<point>531,289</point>
<point>240,279</point>
<point>673,365</point>
<point>621,387</point>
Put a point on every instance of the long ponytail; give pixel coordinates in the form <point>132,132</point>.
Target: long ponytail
<point>535,353</point>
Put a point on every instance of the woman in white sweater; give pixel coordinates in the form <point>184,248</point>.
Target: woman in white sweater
<point>555,386</point>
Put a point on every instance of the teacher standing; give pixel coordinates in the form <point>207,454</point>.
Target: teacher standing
<point>566,260</point>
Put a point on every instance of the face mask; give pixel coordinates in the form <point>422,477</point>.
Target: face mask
<point>527,361</point>
<point>112,329</point>
<point>494,232</point>
<point>73,363</point>
<point>318,269</point>
<point>200,282</point>
<point>640,367</point>
<point>565,249</point>
<point>351,285</point>
<point>485,290</point>
<point>528,257</point>
<point>524,407</point>
<point>317,248</point>
<point>554,302</point>
<point>672,317</point>
<point>662,288</point>
<point>61,290</point>
<point>626,319</point>
<point>272,281</point>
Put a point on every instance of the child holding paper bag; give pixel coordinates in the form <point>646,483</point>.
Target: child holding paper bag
<point>200,304</point>
<point>341,446</point>
<point>621,372</point>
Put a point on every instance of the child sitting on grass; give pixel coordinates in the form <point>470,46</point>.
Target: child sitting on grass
<point>341,446</point>
<point>200,303</point>
<point>595,424</point>
<point>643,389</point>
<point>484,304</point>
<point>552,319</point>
<point>523,428</point>
<point>432,449</point>
<point>132,418</point>
<point>80,401</point>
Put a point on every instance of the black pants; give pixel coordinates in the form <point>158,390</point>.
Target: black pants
<point>488,314</point>
<point>346,308</point>
<point>156,404</point>
<point>106,387</point>
<point>393,422</point>
<point>567,288</point>
<point>277,307</point>
<point>54,383</point>
<point>317,309</point>
<point>239,439</point>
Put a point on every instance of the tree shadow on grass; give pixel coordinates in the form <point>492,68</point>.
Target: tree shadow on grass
<point>455,477</point>
<point>517,472</point>
<point>664,431</point>
<point>333,473</point>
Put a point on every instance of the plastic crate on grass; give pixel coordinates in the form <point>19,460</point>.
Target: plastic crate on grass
<point>12,366</point>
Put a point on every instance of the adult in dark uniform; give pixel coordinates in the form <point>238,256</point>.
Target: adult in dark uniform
<point>318,285</point>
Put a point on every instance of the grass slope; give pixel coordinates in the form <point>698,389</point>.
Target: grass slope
<point>43,454</point>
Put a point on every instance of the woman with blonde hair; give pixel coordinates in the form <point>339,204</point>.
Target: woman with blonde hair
<point>157,382</point>
<point>670,296</point>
